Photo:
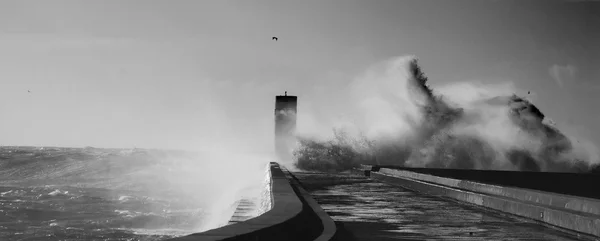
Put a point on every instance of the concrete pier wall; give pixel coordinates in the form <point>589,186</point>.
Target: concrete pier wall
<point>556,200</point>
<point>575,184</point>
<point>256,204</point>
<point>294,215</point>
<point>579,215</point>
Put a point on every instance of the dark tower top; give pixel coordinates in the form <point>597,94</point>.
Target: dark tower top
<point>286,102</point>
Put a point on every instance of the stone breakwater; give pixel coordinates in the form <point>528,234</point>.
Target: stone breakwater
<point>255,203</point>
<point>266,197</point>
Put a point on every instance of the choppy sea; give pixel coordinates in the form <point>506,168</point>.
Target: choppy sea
<point>109,194</point>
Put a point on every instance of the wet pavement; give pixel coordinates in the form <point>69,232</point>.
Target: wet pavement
<point>365,209</point>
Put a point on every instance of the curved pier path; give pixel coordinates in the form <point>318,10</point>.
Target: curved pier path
<point>365,209</point>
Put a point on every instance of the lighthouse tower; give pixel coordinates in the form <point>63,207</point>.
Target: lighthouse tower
<point>285,126</point>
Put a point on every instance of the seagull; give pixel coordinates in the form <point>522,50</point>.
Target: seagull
<point>275,38</point>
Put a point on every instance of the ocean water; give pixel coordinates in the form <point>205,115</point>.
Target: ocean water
<point>112,194</point>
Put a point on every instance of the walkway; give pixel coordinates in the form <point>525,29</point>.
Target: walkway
<point>364,209</point>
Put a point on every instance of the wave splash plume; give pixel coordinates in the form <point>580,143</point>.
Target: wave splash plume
<point>391,116</point>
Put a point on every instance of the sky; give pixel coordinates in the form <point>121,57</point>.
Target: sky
<point>203,74</point>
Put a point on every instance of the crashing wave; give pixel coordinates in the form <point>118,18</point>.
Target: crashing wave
<point>501,132</point>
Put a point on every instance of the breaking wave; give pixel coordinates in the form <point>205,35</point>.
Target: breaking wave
<point>395,118</point>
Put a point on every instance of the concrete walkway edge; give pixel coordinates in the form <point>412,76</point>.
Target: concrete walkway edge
<point>582,226</point>
<point>329,227</point>
<point>557,200</point>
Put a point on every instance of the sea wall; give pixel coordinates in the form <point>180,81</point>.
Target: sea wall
<point>293,215</point>
<point>575,184</point>
<point>254,205</point>
<point>579,215</point>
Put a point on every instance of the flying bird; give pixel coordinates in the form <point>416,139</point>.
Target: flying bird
<point>275,38</point>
